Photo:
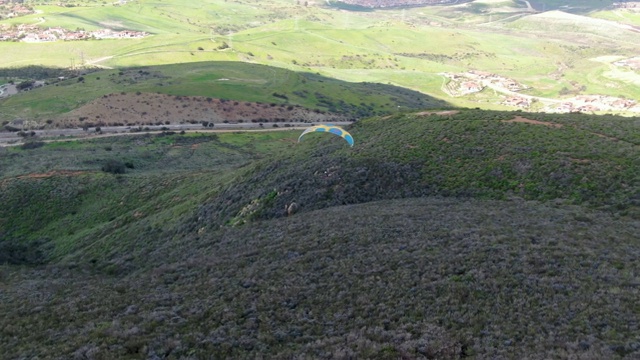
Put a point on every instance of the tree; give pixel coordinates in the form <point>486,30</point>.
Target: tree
<point>27,84</point>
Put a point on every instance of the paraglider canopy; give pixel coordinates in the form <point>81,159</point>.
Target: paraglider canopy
<point>336,130</point>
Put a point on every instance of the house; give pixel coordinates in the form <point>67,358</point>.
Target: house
<point>468,87</point>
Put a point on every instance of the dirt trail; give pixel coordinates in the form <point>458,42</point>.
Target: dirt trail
<point>520,119</point>
<point>50,174</point>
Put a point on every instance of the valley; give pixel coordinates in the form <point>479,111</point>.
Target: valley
<point>503,38</point>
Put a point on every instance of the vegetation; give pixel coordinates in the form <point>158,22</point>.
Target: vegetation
<point>220,80</point>
<point>444,233</point>
<point>546,51</point>
<point>439,235</point>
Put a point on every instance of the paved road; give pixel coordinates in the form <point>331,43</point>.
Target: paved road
<point>12,138</point>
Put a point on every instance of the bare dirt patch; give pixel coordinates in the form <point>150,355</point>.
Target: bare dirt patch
<point>159,109</point>
<point>580,161</point>
<point>446,112</point>
<point>51,173</point>
<point>48,174</point>
<point>520,119</point>
<point>606,136</point>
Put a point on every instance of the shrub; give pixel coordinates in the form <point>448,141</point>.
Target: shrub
<point>18,253</point>
<point>114,167</point>
<point>25,134</point>
<point>25,85</point>
<point>32,145</point>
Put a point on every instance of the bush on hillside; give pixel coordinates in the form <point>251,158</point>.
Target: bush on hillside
<point>27,84</point>
<point>32,145</point>
<point>114,167</point>
<point>15,252</point>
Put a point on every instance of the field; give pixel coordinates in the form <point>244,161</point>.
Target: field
<point>542,51</point>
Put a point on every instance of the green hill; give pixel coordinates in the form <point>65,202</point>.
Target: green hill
<point>575,159</point>
<point>549,52</point>
<point>221,80</point>
<point>438,235</point>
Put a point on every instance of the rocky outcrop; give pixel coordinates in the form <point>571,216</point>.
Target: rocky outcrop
<point>19,125</point>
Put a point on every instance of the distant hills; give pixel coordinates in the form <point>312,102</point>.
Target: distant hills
<point>397,3</point>
<point>557,53</point>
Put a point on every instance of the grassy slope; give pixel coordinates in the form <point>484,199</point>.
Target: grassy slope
<point>142,264</point>
<point>502,254</point>
<point>419,278</point>
<point>228,80</point>
<point>621,16</point>
<point>583,161</point>
<point>380,46</point>
<point>574,6</point>
<point>171,175</point>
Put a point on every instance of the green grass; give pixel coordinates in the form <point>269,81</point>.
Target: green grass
<point>586,6</point>
<point>225,80</point>
<point>456,155</point>
<point>80,207</point>
<point>625,17</point>
<point>381,46</point>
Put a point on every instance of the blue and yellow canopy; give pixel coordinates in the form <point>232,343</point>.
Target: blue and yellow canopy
<point>336,130</point>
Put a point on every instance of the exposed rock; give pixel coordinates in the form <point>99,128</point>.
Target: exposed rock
<point>19,125</point>
<point>292,208</point>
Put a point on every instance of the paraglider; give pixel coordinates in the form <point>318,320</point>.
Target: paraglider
<point>336,130</point>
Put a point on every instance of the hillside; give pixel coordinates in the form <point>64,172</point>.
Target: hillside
<point>204,91</point>
<point>439,235</point>
<point>555,54</point>
<point>572,159</point>
<point>570,24</point>
<point>395,3</point>
<point>490,208</point>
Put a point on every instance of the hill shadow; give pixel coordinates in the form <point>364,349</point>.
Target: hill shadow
<point>227,80</point>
